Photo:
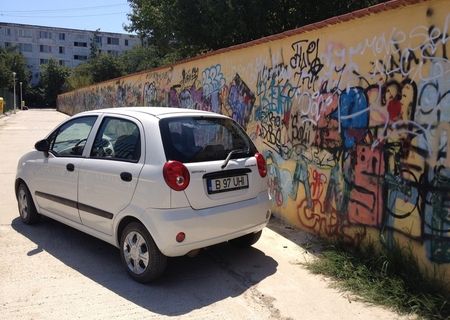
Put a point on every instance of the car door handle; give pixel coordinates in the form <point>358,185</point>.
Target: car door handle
<point>126,176</point>
<point>70,167</point>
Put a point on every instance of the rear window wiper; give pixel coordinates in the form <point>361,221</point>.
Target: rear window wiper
<point>225,163</point>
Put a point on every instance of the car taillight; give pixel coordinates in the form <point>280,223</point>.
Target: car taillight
<point>176,175</point>
<point>261,162</point>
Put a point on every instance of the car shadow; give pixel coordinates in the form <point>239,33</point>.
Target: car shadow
<point>217,273</point>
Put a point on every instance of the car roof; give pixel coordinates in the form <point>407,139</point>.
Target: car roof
<point>158,112</point>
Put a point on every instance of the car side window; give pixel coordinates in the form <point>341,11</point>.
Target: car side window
<point>117,139</point>
<point>69,139</point>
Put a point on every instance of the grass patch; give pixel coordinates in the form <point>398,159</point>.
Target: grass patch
<point>391,278</point>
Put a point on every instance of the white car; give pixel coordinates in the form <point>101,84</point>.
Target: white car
<point>154,182</point>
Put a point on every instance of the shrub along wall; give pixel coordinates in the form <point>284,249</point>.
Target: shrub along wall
<point>353,116</point>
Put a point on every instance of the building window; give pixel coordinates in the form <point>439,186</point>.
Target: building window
<point>45,48</point>
<point>80,44</point>
<point>114,41</point>
<point>24,33</point>
<point>62,36</point>
<point>45,35</point>
<point>126,42</point>
<point>61,50</point>
<point>98,40</point>
<point>43,61</point>
<point>8,32</point>
<point>79,57</point>
<point>7,44</point>
<point>62,63</point>
<point>25,47</point>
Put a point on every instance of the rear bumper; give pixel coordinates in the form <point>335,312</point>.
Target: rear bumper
<point>206,227</point>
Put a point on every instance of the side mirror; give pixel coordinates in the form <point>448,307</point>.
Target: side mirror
<point>42,145</point>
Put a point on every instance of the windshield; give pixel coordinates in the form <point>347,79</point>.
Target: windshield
<point>196,139</point>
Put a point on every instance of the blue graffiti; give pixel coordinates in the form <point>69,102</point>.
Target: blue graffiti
<point>241,100</point>
<point>213,82</point>
<point>353,116</point>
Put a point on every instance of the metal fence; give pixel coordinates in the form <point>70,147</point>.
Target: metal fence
<point>8,99</point>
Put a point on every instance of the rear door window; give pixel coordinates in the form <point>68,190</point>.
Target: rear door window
<point>117,139</point>
<point>197,139</point>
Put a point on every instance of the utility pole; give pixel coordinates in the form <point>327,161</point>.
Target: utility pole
<point>21,106</point>
<point>14,85</point>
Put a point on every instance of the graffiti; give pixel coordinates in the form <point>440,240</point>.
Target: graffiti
<point>241,101</point>
<point>162,78</point>
<point>302,131</point>
<point>275,100</point>
<point>306,62</point>
<point>280,180</point>
<point>279,71</point>
<point>437,216</point>
<point>187,93</point>
<point>150,94</point>
<point>355,126</point>
<point>406,54</point>
<point>213,83</point>
<point>275,94</point>
<point>353,116</point>
<point>366,195</point>
<point>189,77</point>
<point>328,223</point>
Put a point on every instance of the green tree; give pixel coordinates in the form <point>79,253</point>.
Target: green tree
<point>195,26</point>
<point>12,61</point>
<point>94,46</point>
<point>79,77</point>
<point>105,67</point>
<point>149,21</point>
<point>53,81</point>
<point>140,58</point>
<point>35,97</point>
<point>97,69</point>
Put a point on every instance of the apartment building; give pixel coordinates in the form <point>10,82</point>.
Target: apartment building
<point>69,47</point>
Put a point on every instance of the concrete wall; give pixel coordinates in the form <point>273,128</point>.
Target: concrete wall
<point>353,116</point>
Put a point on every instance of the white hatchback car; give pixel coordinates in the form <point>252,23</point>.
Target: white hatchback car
<point>155,182</point>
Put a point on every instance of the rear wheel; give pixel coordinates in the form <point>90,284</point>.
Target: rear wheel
<point>246,240</point>
<point>27,209</point>
<point>140,255</point>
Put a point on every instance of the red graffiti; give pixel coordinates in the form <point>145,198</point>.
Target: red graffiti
<point>394,108</point>
<point>317,185</point>
<point>366,202</point>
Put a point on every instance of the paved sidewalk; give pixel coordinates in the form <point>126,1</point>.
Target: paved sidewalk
<point>50,271</point>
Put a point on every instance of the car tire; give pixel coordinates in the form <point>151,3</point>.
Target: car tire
<point>246,240</point>
<point>140,255</point>
<point>27,209</point>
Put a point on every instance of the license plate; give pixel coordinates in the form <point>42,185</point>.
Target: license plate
<point>227,184</point>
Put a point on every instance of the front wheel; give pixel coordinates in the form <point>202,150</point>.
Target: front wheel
<point>246,240</point>
<point>27,209</point>
<point>140,255</point>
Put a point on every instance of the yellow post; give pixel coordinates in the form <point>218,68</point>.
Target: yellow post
<point>1,105</point>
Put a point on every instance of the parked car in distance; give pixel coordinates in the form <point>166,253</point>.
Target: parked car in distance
<point>154,182</point>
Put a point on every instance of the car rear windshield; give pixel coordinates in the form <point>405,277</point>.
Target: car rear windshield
<point>197,139</point>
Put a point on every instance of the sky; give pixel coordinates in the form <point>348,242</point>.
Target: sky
<point>108,15</point>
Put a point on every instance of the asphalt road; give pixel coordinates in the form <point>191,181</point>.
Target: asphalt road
<point>51,271</point>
